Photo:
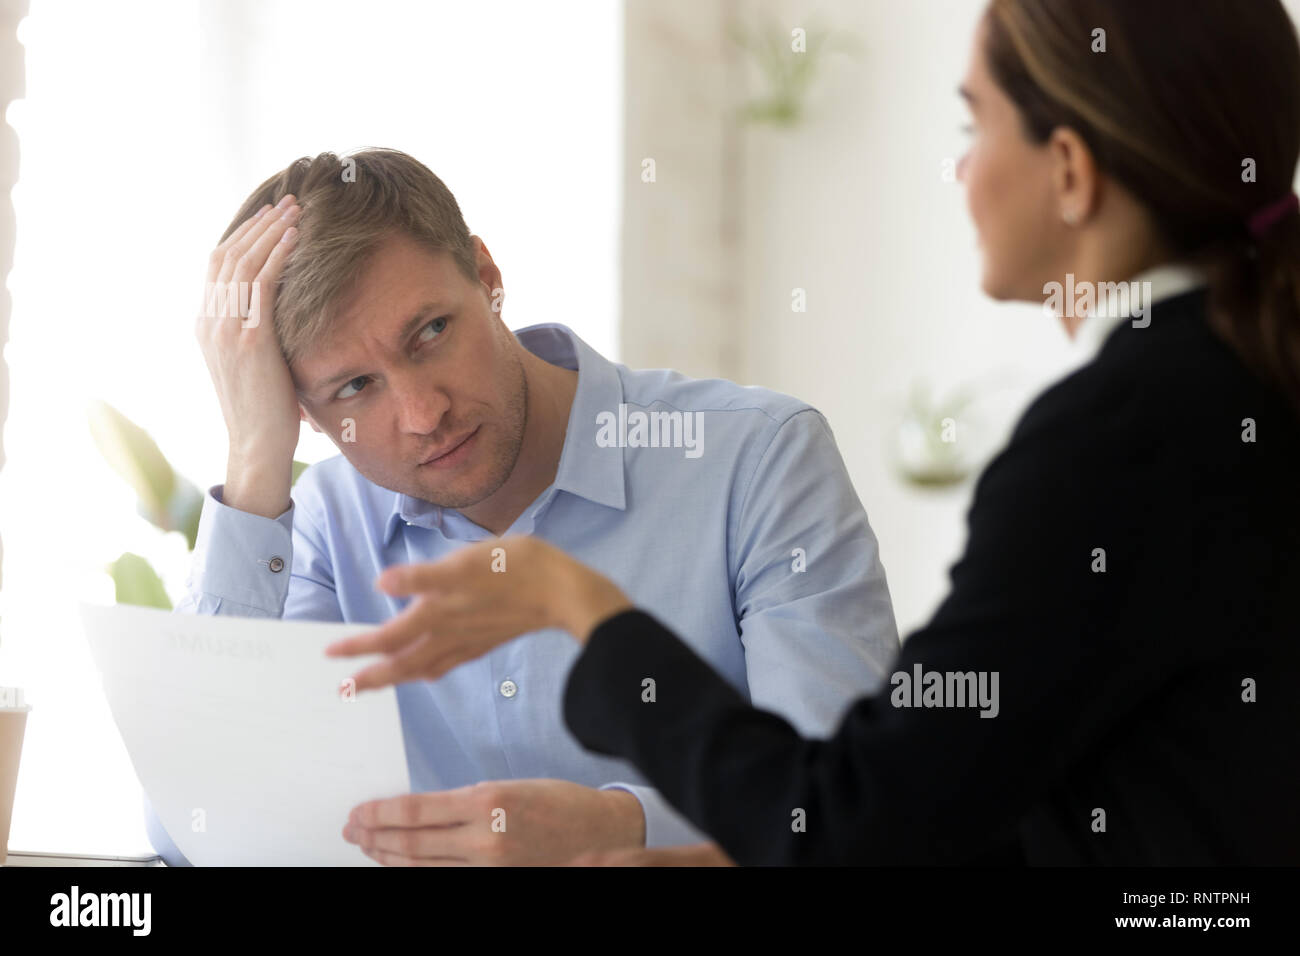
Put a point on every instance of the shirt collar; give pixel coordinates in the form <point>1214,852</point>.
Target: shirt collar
<point>1167,281</point>
<point>585,469</point>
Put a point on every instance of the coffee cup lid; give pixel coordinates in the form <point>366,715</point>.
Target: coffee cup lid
<point>11,698</point>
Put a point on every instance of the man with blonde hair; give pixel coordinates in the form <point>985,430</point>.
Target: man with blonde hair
<point>375,315</point>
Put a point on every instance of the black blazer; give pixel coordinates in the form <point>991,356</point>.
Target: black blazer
<point>1147,714</point>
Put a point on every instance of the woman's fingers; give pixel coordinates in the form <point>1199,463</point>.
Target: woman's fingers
<point>401,580</point>
<point>398,631</point>
<point>477,566</point>
<point>397,668</point>
<point>427,659</point>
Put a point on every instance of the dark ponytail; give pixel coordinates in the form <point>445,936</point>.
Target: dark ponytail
<point>1255,300</point>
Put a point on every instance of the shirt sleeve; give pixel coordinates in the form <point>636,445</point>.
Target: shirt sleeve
<point>813,605</point>
<point>248,565</point>
<point>919,784</point>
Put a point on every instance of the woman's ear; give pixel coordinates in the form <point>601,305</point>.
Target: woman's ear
<point>1075,178</point>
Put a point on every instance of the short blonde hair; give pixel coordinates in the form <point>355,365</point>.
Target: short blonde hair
<point>350,204</point>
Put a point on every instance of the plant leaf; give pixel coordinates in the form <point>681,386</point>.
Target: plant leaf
<point>135,456</point>
<point>185,511</point>
<point>136,582</point>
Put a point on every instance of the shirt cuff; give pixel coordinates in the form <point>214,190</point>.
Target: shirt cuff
<point>242,557</point>
<point>664,826</point>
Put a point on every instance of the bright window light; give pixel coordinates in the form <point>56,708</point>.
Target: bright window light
<point>144,127</point>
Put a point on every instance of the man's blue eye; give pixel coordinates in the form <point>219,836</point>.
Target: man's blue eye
<point>437,326</point>
<point>343,392</point>
<point>430,331</point>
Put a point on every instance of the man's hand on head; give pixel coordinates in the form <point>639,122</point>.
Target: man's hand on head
<point>236,332</point>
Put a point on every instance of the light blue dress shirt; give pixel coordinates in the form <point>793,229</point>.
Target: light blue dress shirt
<point>743,534</point>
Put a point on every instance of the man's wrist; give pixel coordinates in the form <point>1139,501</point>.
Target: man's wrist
<point>256,486</point>
<point>631,816</point>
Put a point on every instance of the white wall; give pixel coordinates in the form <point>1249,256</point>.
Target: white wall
<point>851,207</point>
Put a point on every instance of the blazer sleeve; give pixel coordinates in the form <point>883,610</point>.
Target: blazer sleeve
<point>1055,544</point>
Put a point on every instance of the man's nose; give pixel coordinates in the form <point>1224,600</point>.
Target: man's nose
<point>420,407</point>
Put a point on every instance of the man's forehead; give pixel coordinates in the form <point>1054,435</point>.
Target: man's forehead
<point>403,283</point>
<point>400,273</point>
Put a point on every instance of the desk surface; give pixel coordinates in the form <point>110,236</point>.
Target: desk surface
<point>28,858</point>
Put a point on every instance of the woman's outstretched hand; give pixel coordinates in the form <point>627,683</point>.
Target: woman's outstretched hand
<point>476,599</point>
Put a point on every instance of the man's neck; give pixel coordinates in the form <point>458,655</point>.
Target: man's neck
<point>549,399</point>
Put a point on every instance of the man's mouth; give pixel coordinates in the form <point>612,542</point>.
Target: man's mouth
<point>453,453</point>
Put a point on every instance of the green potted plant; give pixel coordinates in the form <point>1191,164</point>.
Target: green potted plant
<point>166,498</point>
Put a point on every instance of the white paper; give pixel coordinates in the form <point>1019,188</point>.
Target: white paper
<point>247,749</point>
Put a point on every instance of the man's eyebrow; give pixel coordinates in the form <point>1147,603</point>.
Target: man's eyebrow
<point>425,313</point>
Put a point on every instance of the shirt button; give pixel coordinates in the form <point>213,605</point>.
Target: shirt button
<point>277,563</point>
<point>508,688</point>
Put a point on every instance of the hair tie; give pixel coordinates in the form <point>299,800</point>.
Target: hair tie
<point>1268,217</point>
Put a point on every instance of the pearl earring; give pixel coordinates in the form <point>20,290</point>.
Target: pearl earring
<point>1070,216</point>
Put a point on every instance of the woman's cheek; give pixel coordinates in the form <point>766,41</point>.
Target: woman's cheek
<point>976,189</point>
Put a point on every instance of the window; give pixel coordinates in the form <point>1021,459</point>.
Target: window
<point>144,127</point>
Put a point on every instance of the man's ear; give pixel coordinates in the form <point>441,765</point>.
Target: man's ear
<point>303,416</point>
<point>489,275</point>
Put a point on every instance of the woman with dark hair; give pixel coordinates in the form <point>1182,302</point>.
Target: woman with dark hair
<point>1115,675</point>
